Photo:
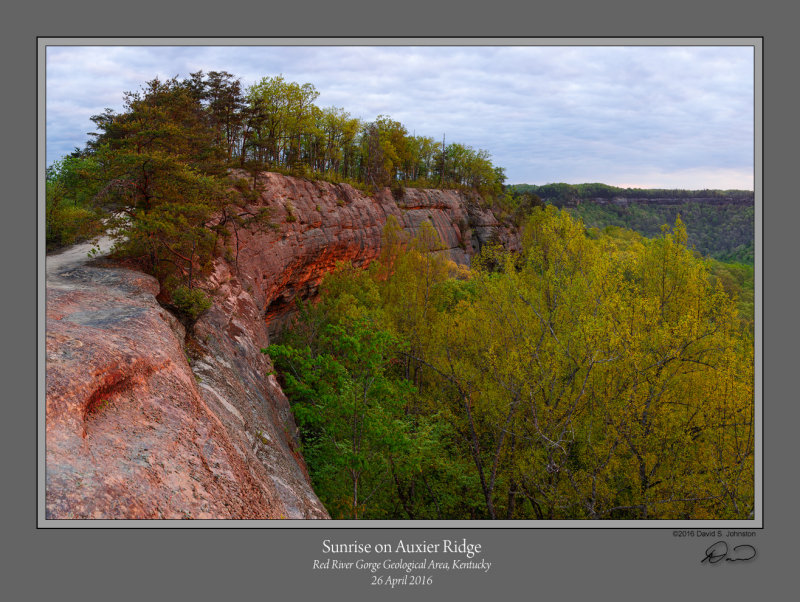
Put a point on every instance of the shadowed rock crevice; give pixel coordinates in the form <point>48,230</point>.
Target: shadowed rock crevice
<point>320,224</point>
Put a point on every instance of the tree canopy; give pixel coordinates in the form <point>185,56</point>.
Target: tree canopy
<point>587,378</point>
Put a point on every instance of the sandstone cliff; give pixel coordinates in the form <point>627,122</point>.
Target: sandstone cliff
<point>320,224</point>
<point>143,421</point>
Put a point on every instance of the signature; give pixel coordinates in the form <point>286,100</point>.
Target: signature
<point>719,551</point>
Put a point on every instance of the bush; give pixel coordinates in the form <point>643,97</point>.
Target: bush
<point>68,225</point>
<point>190,301</point>
<point>398,190</point>
<point>290,214</point>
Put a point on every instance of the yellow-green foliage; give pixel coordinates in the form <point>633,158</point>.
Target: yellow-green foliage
<point>191,302</point>
<point>604,376</point>
<point>66,225</point>
<point>738,281</point>
<point>69,216</point>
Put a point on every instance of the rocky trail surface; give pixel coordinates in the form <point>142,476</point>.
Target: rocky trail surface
<point>132,432</point>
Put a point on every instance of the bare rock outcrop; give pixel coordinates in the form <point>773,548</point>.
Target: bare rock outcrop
<point>133,432</point>
<point>320,224</point>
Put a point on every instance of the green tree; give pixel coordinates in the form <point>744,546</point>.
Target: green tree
<point>70,214</point>
<point>351,414</point>
<point>221,95</point>
<point>159,162</point>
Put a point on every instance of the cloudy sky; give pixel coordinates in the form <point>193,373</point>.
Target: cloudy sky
<point>640,116</point>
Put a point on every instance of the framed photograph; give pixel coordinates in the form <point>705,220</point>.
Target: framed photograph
<point>440,314</point>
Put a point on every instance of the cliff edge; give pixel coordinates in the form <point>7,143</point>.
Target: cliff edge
<point>146,421</point>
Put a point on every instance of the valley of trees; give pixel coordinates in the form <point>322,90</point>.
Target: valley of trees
<point>590,377</point>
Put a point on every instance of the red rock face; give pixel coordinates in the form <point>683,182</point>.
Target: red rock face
<point>320,224</point>
<point>132,432</point>
<point>144,422</point>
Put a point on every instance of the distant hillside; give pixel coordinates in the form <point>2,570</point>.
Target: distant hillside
<point>720,223</point>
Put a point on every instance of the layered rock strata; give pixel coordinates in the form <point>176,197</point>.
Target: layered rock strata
<point>319,224</point>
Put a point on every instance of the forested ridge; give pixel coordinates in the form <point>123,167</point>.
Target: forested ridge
<point>171,146</point>
<point>720,223</point>
<point>597,374</point>
<point>561,193</point>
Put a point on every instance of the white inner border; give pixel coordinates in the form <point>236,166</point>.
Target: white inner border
<point>757,44</point>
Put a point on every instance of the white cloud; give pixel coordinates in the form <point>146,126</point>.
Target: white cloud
<point>644,114</point>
